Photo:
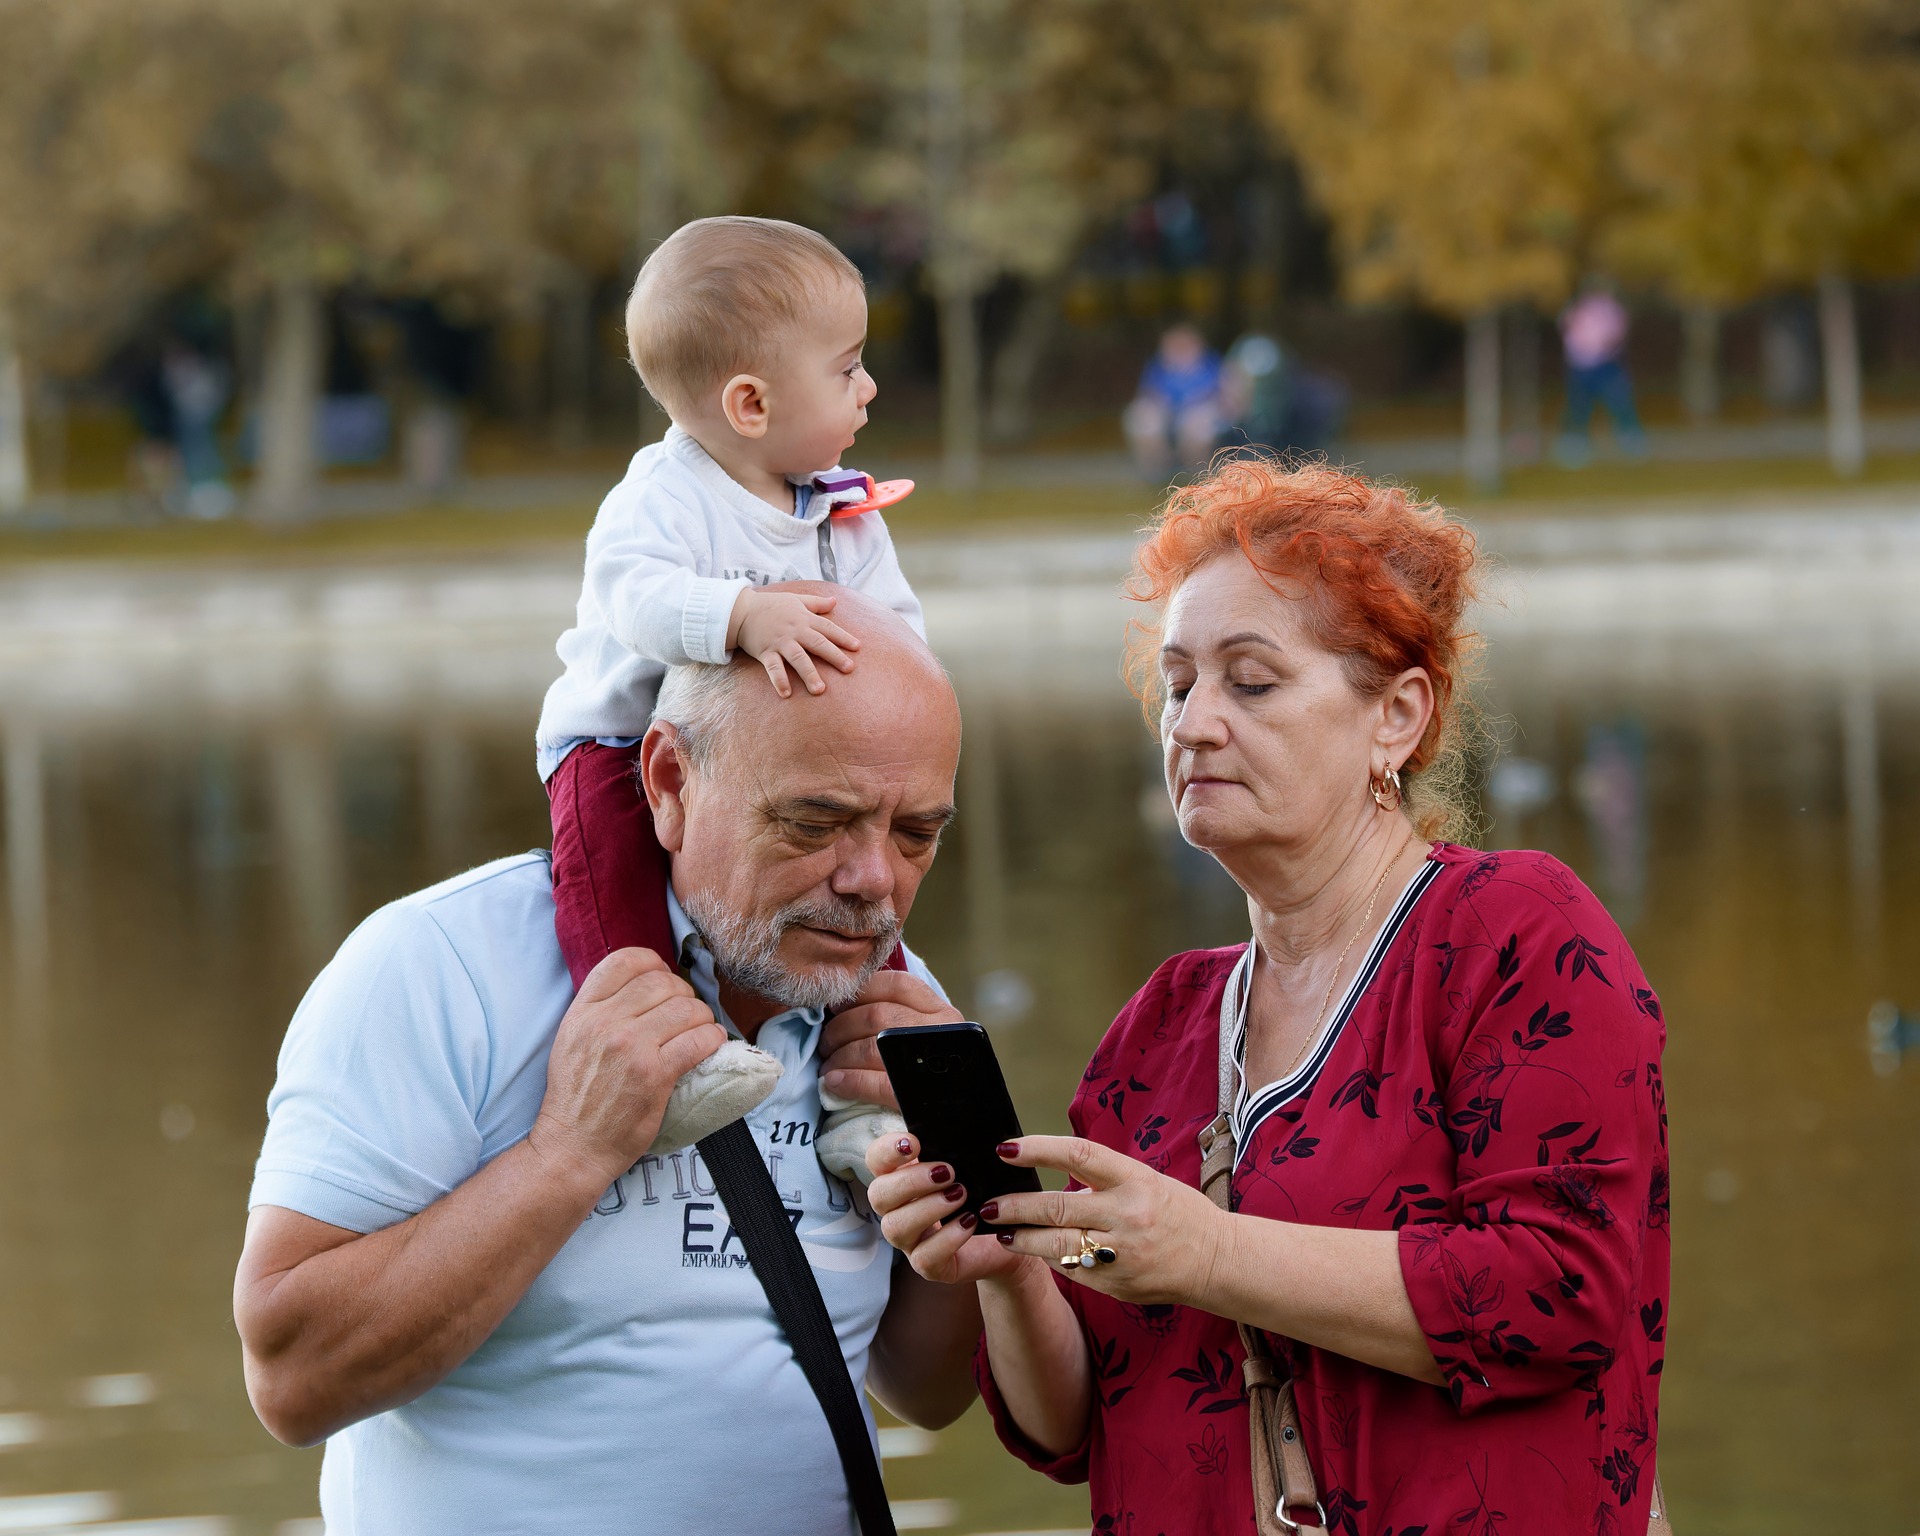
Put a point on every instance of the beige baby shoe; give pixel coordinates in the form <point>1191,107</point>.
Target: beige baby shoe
<point>732,1081</point>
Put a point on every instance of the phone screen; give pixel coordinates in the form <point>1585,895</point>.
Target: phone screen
<point>956,1103</point>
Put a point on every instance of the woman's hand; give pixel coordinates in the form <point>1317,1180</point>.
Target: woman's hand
<point>1167,1237</point>
<point>917,1202</point>
<point>1035,1348</point>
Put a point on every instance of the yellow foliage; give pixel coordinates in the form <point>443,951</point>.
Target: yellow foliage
<point>1772,141</point>
<point>1459,147</point>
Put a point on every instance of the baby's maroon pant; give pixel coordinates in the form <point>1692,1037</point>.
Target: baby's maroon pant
<point>610,874</point>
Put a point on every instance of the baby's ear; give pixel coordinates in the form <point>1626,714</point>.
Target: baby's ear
<point>743,401</point>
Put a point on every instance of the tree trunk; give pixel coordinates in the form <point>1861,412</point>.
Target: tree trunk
<point>960,388</point>
<point>1523,361</point>
<point>955,284</point>
<point>1017,365</point>
<point>14,478</point>
<point>47,438</point>
<point>1700,362</point>
<point>666,67</point>
<point>1840,359</point>
<point>1265,277</point>
<point>1483,400</point>
<point>570,359</point>
<point>287,474</point>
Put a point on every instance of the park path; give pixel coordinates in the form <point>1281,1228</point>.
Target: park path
<point>363,496</point>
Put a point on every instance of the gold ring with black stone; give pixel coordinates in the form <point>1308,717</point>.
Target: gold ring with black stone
<point>1090,1254</point>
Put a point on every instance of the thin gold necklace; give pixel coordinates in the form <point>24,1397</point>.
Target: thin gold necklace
<point>1338,965</point>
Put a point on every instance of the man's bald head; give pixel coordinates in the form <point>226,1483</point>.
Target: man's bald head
<point>799,828</point>
<point>710,706</point>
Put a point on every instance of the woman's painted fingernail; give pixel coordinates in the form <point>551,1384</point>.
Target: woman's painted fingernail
<point>1007,1149</point>
<point>990,1211</point>
<point>1006,1239</point>
<point>940,1173</point>
<point>904,1146</point>
<point>955,1192</point>
<point>968,1220</point>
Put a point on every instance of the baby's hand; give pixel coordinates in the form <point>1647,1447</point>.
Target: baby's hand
<point>786,629</point>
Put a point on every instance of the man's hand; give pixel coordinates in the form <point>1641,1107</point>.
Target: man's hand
<point>893,998</point>
<point>633,1031</point>
<point>787,629</point>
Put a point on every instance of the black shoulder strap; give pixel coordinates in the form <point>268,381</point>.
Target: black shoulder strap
<point>774,1251</point>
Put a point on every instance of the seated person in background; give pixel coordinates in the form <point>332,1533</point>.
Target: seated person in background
<point>1176,417</point>
<point>1271,401</point>
<point>461,1262</point>
<point>748,332</point>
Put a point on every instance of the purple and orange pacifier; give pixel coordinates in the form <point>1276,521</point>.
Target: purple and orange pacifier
<point>883,494</point>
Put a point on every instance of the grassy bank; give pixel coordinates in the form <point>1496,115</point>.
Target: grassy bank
<point>454,529</point>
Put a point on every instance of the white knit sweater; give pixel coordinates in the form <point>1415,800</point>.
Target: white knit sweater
<point>673,545</point>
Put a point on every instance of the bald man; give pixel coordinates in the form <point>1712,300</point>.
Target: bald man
<point>462,1266</point>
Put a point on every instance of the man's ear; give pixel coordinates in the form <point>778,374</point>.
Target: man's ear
<point>743,401</point>
<point>664,778</point>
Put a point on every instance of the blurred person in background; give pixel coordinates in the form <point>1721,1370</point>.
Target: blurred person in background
<point>1271,401</point>
<point>1408,1144</point>
<point>197,387</point>
<point>1593,332</point>
<point>1177,415</point>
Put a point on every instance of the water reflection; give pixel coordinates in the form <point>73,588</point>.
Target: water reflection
<point>178,865</point>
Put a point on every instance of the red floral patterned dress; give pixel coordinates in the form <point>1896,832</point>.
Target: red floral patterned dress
<point>1490,1089</point>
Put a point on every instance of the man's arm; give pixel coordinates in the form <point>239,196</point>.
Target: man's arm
<point>335,1326</point>
<point>921,1366</point>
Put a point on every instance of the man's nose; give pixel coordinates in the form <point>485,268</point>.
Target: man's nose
<point>865,871</point>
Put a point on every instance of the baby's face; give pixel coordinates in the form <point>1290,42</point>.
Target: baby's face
<point>818,389</point>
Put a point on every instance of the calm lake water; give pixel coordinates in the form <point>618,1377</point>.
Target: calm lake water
<point>182,860</point>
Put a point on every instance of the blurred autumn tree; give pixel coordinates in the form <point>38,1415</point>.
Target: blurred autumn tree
<point>1461,150</point>
<point>97,197</point>
<point>1002,135</point>
<point>284,147</point>
<point>1472,155</point>
<point>1772,146</point>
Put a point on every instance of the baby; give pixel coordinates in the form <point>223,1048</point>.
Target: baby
<point>748,332</point>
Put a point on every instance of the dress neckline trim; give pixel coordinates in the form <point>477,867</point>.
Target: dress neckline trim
<point>1251,1109</point>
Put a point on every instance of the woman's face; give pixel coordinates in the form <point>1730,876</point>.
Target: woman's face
<point>1265,739</point>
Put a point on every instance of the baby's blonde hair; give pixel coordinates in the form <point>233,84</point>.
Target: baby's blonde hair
<point>717,295</point>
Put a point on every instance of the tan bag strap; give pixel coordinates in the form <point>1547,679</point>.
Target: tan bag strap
<point>1285,1497</point>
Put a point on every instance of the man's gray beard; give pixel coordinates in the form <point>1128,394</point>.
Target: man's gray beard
<point>746,951</point>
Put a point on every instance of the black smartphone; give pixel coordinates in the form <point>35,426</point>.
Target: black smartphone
<point>956,1103</point>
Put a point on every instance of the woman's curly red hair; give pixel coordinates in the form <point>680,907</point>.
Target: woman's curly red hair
<point>1387,579</point>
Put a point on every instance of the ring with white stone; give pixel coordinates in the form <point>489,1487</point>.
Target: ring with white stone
<point>1090,1254</point>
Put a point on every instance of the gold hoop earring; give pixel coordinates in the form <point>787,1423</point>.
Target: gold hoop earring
<point>1386,790</point>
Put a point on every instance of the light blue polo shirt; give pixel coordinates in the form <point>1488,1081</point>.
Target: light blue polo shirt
<point>641,1385</point>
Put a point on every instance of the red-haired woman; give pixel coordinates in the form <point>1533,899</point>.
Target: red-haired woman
<point>1448,1211</point>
